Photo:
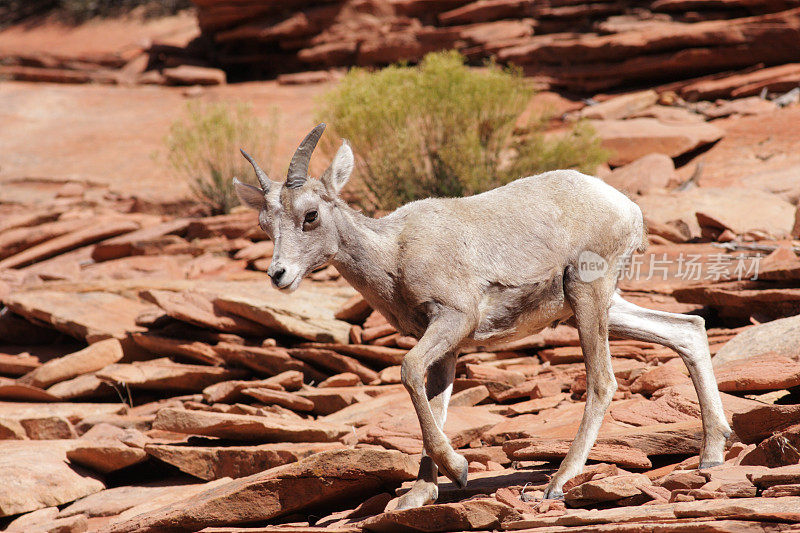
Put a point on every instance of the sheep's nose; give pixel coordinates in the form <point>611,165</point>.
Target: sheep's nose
<point>277,275</point>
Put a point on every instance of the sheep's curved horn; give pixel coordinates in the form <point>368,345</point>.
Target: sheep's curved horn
<point>263,179</point>
<point>298,168</point>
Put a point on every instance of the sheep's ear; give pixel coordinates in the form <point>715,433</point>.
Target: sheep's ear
<point>252,197</point>
<point>337,174</point>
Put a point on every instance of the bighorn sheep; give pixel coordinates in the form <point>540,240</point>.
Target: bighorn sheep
<point>500,265</point>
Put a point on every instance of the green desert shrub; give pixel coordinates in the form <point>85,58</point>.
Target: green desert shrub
<point>203,147</point>
<point>443,129</point>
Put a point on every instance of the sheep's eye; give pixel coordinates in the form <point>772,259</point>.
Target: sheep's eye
<point>311,216</point>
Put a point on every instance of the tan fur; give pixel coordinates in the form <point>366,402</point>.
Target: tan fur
<point>496,266</point>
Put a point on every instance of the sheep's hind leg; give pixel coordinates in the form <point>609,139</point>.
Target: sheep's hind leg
<point>686,335</point>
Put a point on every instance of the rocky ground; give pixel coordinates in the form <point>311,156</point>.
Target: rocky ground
<point>152,380</point>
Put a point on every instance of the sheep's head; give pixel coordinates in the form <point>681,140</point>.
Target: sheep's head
<point>299,214</point>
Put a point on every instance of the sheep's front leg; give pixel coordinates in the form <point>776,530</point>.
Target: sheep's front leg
<point>439,386</point>
<point>444,334</point>
<point>590,302</point>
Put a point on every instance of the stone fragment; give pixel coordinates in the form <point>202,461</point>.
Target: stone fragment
<point>194,75</point>
<point>17,365</point>
<point>549,450</point>
<point>89,316</point>
<point>784,509</point>
<point>758,373</point>
<point>198,309</point>
<point>321,479</point>
<point>106,456</point>
<point>345,379</point>
<point>739,209</point>
<point>761,422</point>
<point>780,337</point>
<point>620,107</point>
<point>41,477</point>
<point>643,175</point>
<point>94,357</point>
<point>610,488</point>
<point>478,514</point>
<point>246,427</point>
<point>101,229</point>
<point>782,475</point>
<point>214,462</point>
<point>300,315</point>
<point>185,349</point>
<point>335,362</point>
<point>284,399</point>
<point>164,374</point>
<point>631,139</point>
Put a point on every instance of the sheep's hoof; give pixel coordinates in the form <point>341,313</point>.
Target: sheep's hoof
<point>709,464</point>
<point>422,493</point>
<point>553,494</point>
<point>456,469</point>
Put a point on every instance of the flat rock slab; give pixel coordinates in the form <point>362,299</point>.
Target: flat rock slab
<point>633,515</point>
<point>376,355</point>
<point>398,427</point>
<point>94,357</point>
<point>163,374</point>
<point>759,373</point>
<point>783,475</point>
<point>214,462</point>
<point>106,456</point>
<point>195,308</point>
<point>71,411</point>
<point>742,299</point>
<point>230,391</point>
<point>321,479</point>
<point>780,337</point>
<point>333,361</point>
<point>308,314</point>
<point>739,209</point>
<point>631,139</point>
<point>21,392</point>
<point>269,360</point>
<point>610,488</point>
<point>87,386</point>
<point>472,515</point>
<point>37,476</point>
<point>784,509</point>
<point>247,427</point>
<point>289,400</point>
<point>101,229</point>
<point>17,365</point>
<point>553,449</point>
<point>762,421</point>
<point>185,349</point>
<point>112,502</point>
<point>656,439</point>
<point>124,244</point>
<point>89,316</point>
<point>173,494</point>
<point>674,404</point>
<point>487,483</point>
<point>328,400</point>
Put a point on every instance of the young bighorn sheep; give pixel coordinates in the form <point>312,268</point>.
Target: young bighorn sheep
<point>496,266</point>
